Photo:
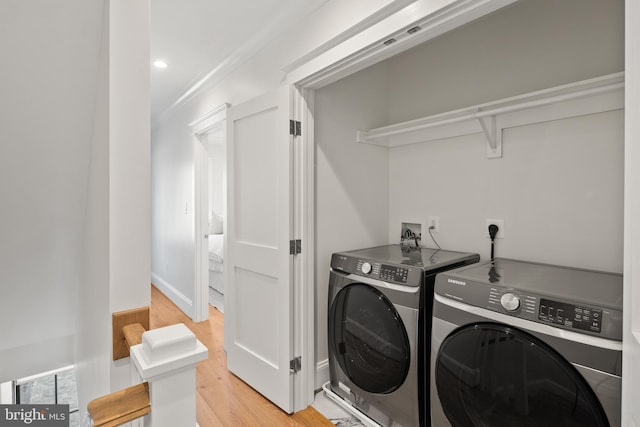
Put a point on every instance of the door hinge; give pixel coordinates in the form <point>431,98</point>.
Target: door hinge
<point>295,365</point>
<point>295,128</point>
<point>295,247</point>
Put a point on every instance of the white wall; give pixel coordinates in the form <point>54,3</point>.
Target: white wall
<point>352,179</point>
<point>49,74</point>
<point>172,143</point>
<point>172,189</point>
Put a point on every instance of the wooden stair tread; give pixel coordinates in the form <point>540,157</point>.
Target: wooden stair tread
<point>121,406</point>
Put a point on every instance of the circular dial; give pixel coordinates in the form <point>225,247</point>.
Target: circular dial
<point>366,268</point>
<point>510,302</point>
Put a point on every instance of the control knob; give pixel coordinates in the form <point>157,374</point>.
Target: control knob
<point>510,302</point>
<point>366,268</point>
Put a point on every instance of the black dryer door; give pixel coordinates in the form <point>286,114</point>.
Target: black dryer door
<point>368,339</point>
<point>493,375</point>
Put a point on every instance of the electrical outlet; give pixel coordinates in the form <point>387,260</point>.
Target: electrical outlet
<point>499,223</point>
<point>434,221</point>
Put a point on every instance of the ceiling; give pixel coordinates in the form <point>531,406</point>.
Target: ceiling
<point>202,40</point>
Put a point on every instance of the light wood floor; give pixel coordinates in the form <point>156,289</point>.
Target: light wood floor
<point>222,399</point>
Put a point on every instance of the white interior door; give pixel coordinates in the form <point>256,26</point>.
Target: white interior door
<point>258,301</point>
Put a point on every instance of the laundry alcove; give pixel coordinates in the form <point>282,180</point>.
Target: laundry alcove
<point>554,180</point>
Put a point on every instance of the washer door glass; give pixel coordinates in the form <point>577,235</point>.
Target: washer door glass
<point>489,374</point>
<point>368,339</point>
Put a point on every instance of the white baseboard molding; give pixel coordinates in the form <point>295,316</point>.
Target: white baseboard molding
<point>322,373</point>
<point>178,298</point>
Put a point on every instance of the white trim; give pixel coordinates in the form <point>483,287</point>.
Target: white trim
<point>367,47</point>
<point>30,378</point>
<point>383,13</point>
<point>303,296</point>
<point>178,298</point>
<point>528,325</point>
<point>210,120</point>
<point>306,206</point>
<point>200,228</point>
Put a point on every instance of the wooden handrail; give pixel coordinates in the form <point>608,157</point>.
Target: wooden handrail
<point>121,406</point>
<point>124,320</point>
<point>133,334</point>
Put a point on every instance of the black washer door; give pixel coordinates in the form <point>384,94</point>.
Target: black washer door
<point>368,339</point>
<point>491,375</point>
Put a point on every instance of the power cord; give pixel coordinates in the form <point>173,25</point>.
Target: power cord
<point>431,227</point>
<point>493,231</point>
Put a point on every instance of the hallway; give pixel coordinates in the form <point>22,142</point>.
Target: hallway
<point>222,399</point>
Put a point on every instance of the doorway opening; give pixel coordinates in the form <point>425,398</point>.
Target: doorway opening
<point>210,185</point>
<point>216,203</point>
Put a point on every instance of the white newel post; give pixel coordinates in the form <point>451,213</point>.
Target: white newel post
<point>167,360</point>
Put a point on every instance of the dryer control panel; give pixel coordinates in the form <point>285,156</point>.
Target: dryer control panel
<point>397,274</point>
<point>394,274</point>
<point>537,293</point>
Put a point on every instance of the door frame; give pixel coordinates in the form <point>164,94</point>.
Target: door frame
<point>200,129</point>
<point>304,313</point>
<point>354,54</point>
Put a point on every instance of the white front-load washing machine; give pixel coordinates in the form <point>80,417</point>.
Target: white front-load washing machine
<point>379,322</point>
<point>523,344</point>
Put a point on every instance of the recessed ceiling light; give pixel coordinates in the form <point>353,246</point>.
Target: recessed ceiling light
<point>160,64</point>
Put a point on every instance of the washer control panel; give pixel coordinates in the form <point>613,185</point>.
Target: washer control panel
<point>570,315</point>
<point>577,300</point>
<point>545,310</point>
<point>592,320</point>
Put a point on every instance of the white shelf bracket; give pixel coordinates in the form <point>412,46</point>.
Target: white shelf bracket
<point>493,135</point>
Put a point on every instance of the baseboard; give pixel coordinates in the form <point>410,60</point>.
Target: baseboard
<point>322,373</point>
<point>178,298</point>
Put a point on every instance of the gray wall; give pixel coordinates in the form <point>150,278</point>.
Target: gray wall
<point>352,180</point>
<point>556,183</point>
